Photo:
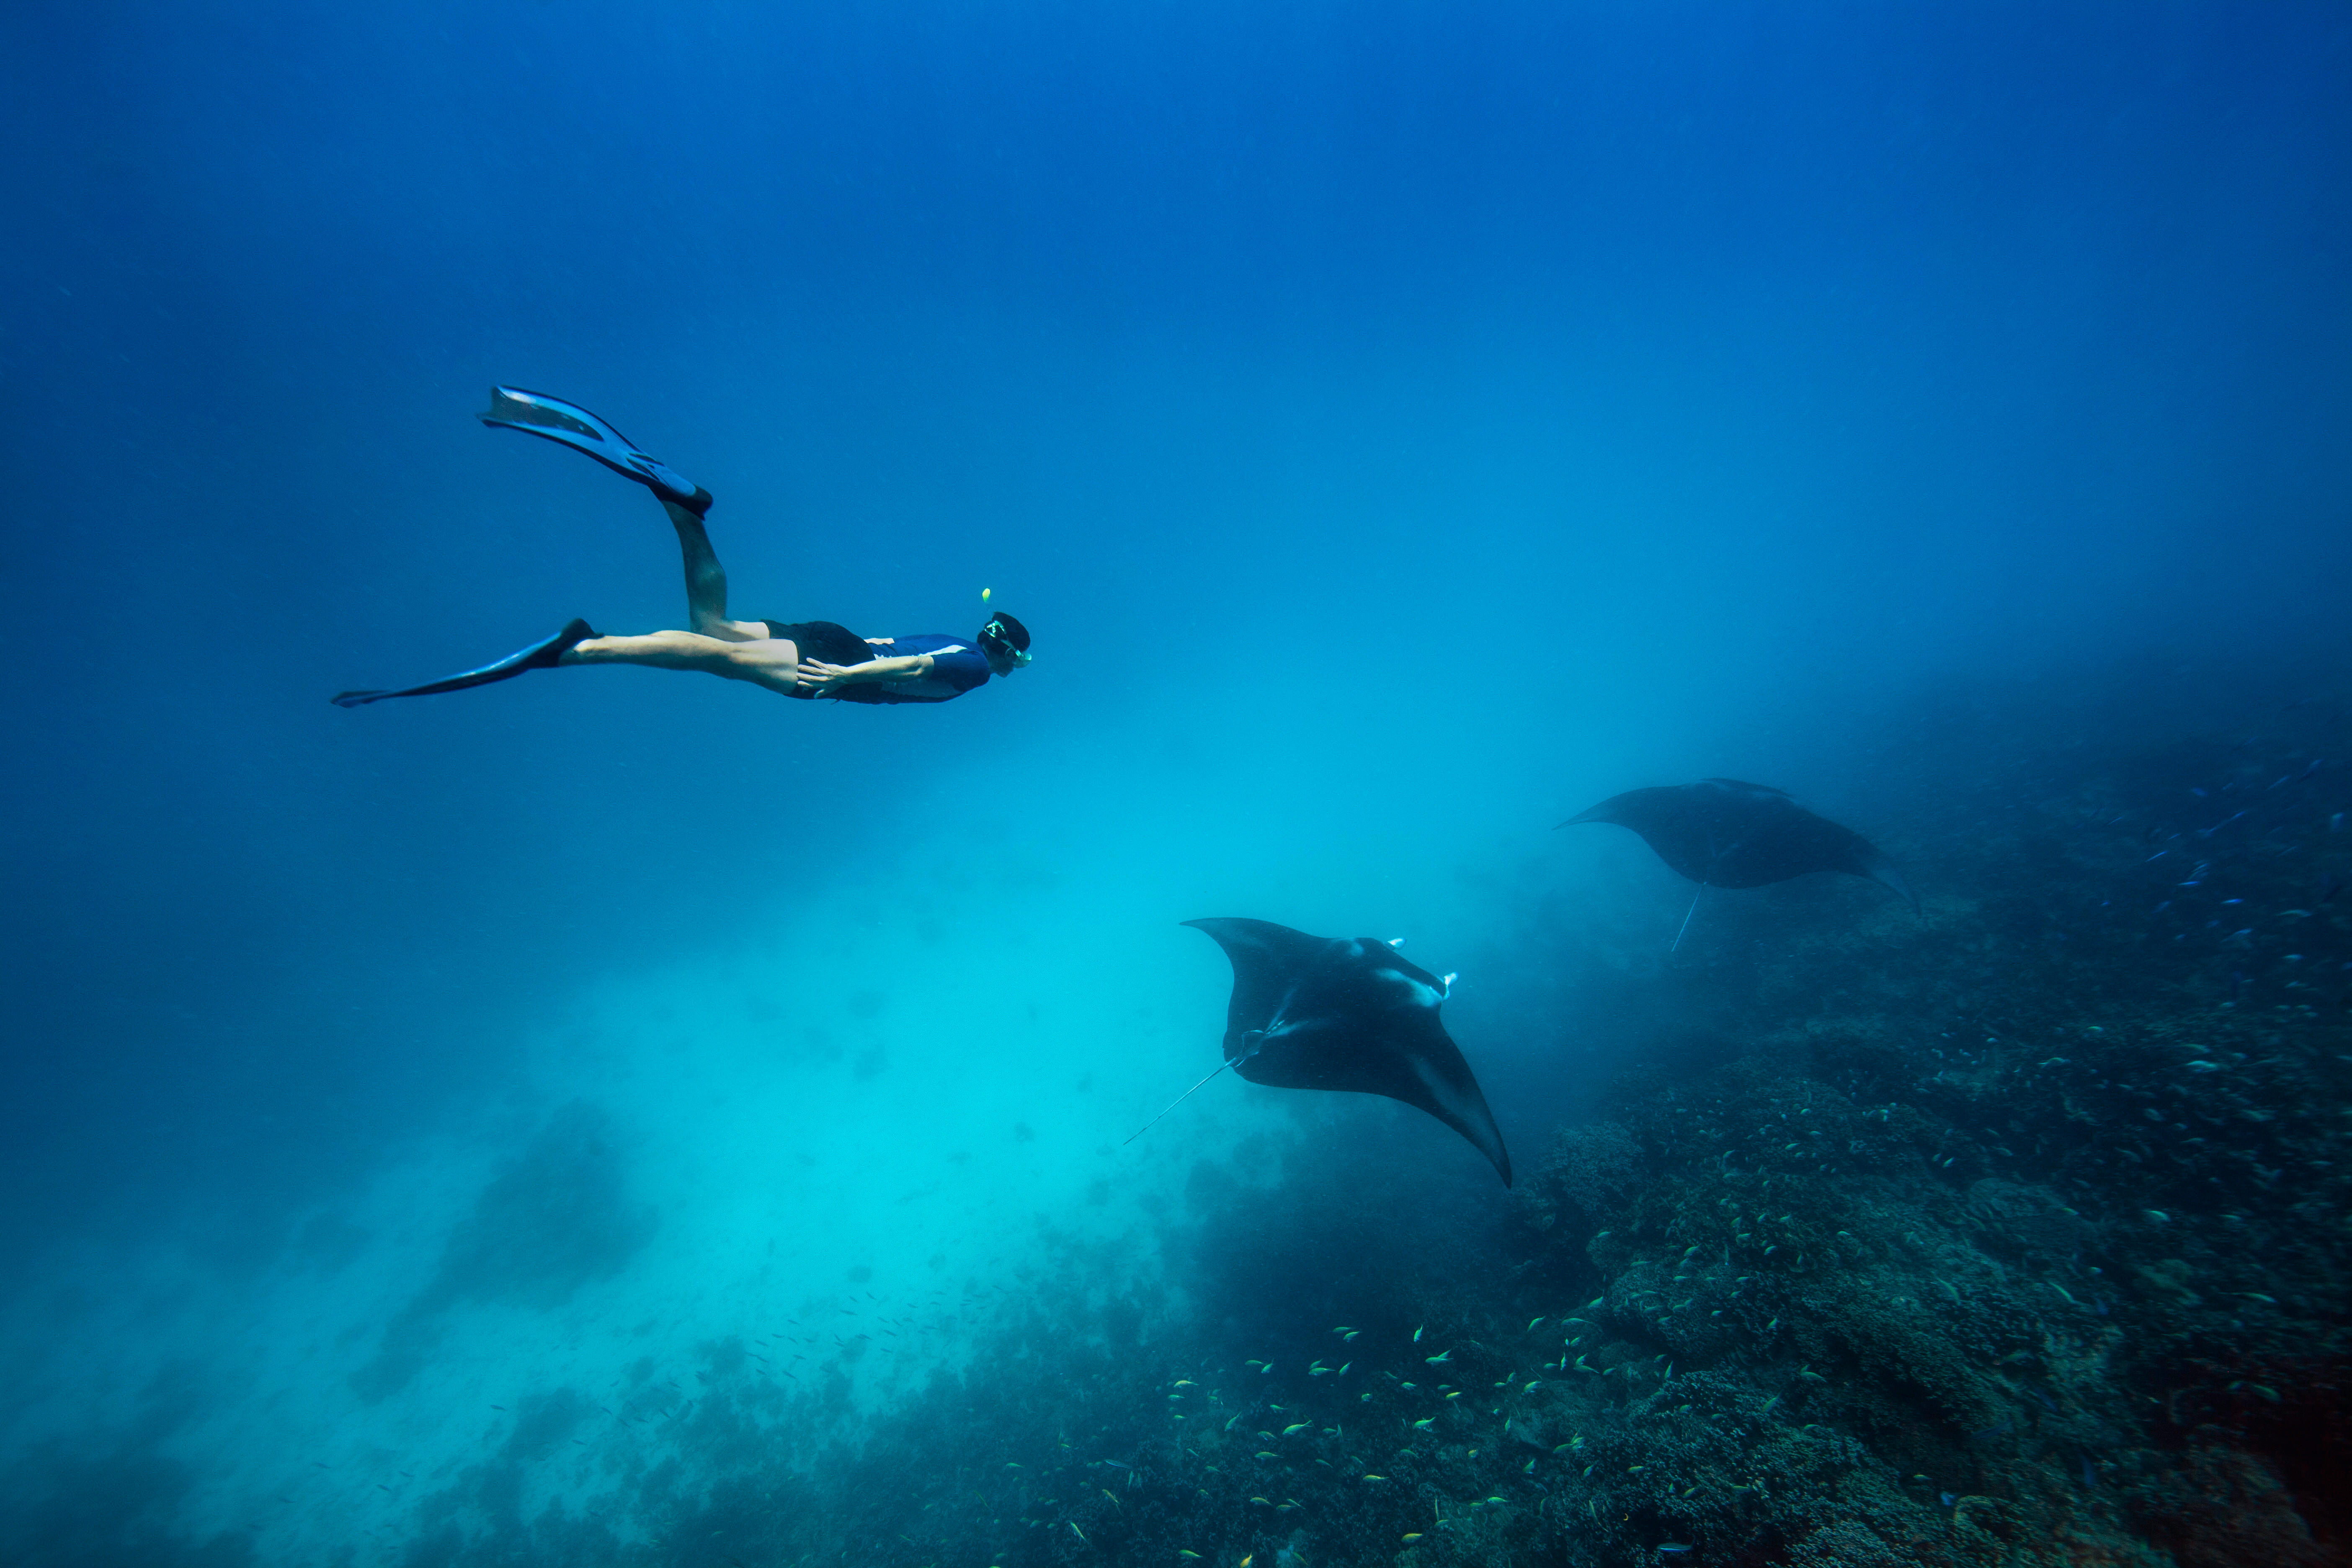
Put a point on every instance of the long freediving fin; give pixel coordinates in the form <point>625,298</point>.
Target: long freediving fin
<point>537,414</point>
<point>543,654</point>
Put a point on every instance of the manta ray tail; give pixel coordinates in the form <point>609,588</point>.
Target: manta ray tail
<point>1687,918</point>
<point>1172,1105</point>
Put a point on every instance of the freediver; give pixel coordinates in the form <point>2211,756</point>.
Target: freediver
<point>797,658</point>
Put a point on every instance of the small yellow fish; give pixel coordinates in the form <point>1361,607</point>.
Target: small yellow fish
<point>1343,1329</point>
<point>1261,1501</point>
<point>1079,1533</point>
<point>1417,1335</point>
<point>1353,1332</point>
<point>1435,1359</point>
<point>1532,1387</point>
<point>1532,1323</point>
<point>1298,1426</point>
<point>1245,1562</point>
<point>1376,1477</point>
<point>1180,1551</point>
<point>1456,1394</point>
<point>1423,1423</point>
<point>1414,1536</point>
<point>1185,1382</point>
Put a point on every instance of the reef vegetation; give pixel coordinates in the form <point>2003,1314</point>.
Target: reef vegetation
<point>2015,1233</point>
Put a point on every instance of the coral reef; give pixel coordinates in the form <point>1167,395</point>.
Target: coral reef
<point>2008,1237</point>
<point>2012,1236</point>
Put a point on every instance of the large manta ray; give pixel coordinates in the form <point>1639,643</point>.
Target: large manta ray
<point>1311,1012</point>
<point>1721,832</point>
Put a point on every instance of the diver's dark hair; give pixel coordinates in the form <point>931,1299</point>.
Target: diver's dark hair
<point>1004,628</point>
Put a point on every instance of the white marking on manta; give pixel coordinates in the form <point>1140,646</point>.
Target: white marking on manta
<point>1422,996</point>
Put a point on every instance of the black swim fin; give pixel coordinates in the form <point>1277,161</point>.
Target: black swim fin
<point>542,655</point>
<point>537,414</point>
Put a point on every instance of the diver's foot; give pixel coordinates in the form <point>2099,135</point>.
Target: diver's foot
<point>549,654</point>
<point>537,414</point>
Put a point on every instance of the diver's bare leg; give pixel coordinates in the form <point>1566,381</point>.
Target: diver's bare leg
<point>706,582</point>
<point>771,662</point>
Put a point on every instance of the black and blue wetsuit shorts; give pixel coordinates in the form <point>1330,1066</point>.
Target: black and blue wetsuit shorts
<point>828,642</point>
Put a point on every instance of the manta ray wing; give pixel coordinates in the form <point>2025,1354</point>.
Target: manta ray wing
<point>1355,1016</point>
<point>1782,839</point>
<point>1864,858</point>
<point>1268,961</point>
<point>1726,833</point>
<point>1683,830</point>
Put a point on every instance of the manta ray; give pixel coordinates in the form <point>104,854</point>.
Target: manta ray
<point>1312,1012</point>
<point>1721,832</point>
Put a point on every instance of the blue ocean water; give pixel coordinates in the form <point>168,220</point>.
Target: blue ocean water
<point>616,1116</point>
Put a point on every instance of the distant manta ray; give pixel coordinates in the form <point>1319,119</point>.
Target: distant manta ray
<point>1721,832</point>
<point>1311,1012</point>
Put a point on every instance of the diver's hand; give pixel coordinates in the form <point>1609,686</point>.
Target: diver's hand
<point>819,679</point>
